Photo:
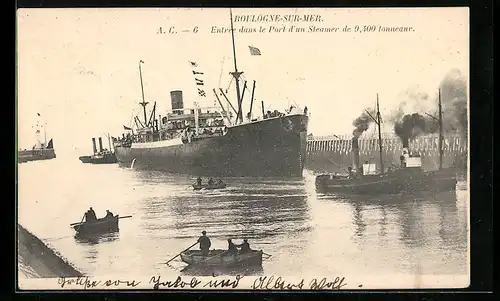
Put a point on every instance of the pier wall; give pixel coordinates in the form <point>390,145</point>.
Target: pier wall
<point>36,260</point>
<point>334,153</point>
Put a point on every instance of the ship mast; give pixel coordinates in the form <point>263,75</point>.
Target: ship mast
<point>45,133</point>
<point>379,121</point>
<point>439,119</point>
<point>143,103</point>
<point>236,74</point>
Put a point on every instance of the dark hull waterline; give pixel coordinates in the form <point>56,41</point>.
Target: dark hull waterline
<point>209,187</point>
<point>220,258</point>
<point>35,155</point>
<point>104,225</point>
<point>272,147</point>
<point>393,183</point>
<point>106,159</point>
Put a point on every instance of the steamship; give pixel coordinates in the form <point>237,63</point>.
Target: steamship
<point>103,156</point>
<point>409,178</point>
<point>206,141</point>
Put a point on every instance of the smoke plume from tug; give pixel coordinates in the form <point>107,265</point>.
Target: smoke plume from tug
<point>453,90</point>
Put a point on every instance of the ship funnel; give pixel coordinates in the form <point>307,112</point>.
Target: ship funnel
<point>100,144</point>
<point>406,142</point>
<point>94,146</point>
<point>355,154</point>
<point>177,101</point>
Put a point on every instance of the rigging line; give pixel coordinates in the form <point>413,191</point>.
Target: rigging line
<point>221,70</point>
<point>243,78</point>
<point>229,85</point>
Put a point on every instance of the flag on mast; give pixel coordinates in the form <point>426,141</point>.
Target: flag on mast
<point>254,50</point>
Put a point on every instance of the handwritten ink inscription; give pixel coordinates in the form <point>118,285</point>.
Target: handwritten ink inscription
<point>272,283</point>
<point>260,283</point>
<point>87,283</point>
<point>178,283</point>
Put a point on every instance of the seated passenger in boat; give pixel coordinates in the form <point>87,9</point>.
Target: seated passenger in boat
<point>205,243</point>
<point>198,181</point>
<point>211,182</point>
<point>244,247</point>
<point>109,214</point>
<point>231,247</point>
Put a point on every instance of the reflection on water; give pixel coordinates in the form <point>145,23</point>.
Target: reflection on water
<point>95,239</point>
<point>307,233</point>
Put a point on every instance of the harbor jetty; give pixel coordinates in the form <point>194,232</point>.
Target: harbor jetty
<point>37,260</point>
<point>334,153</point>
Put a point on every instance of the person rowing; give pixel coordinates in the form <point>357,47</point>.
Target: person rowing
<point>90,215</point>
<point>205,243</point>
<point>199,181</point>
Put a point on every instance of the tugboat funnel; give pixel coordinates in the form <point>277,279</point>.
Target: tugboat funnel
<point>94,147</point>
<point>355,154</point>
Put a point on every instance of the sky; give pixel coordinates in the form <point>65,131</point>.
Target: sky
<point>79,68</point>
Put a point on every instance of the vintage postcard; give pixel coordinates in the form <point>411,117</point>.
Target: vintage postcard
<point>243,148</point>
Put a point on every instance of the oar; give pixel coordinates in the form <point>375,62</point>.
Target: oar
<point>181,252</point>
<point>73,224</point>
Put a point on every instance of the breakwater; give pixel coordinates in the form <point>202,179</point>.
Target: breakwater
<point>36,260</point>
<point>334,153</point>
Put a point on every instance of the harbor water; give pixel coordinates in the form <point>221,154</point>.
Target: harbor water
<point>305,232</point>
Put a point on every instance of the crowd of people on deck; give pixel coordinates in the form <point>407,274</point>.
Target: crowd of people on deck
<point>90,215</point>
<point>276,113</point>
<point>232,248</point>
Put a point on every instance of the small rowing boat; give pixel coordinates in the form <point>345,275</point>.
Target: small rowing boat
<point>102,225</point>
<point>209,187</point>
<point>220,258</point>
<point>99,226</point>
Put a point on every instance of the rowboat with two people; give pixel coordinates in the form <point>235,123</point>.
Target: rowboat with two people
<point>91,225</point>
<point>211,184</point>
<point>240,255</point>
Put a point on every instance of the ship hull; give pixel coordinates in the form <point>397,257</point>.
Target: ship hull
<point>106,159</point>
<point>395,183</point>
<point>35,155</point>
<point>274,147</point>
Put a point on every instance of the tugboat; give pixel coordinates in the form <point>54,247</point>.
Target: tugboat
<point>409,178</point>
<point>103,156</point>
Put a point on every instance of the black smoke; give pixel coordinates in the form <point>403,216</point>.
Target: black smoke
<point>362,123</point>
<point>412,125</point>
<point>412,99</point>
<point>453,94</point>
<point>453,90</point>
